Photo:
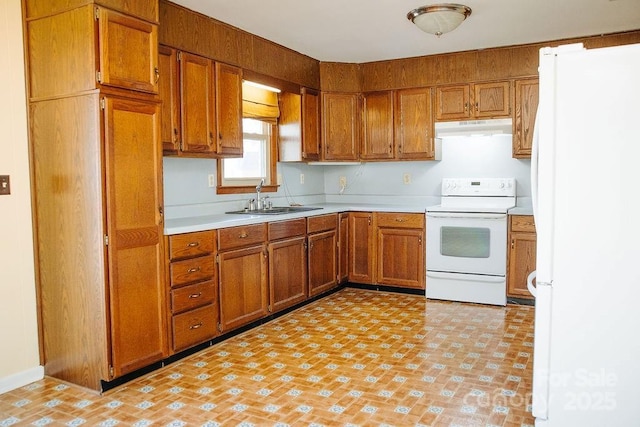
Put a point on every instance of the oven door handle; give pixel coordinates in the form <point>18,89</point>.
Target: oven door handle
<point>463,215</point>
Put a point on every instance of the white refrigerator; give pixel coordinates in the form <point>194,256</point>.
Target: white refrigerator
<point>586,198</point>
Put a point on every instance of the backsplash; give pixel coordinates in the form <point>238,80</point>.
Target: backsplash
<point>186,189</point>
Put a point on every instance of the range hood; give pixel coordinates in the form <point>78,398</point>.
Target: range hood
<point>474,128</point>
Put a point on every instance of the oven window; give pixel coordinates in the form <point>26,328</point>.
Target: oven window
<point>465,242</point>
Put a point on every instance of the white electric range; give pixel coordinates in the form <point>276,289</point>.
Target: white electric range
<point>466,256</point>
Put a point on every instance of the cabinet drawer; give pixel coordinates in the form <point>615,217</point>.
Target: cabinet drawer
<point>192,296</point>
<point>192,270</point>
<point>190,245</point>
<point>284,229</point>
<point>194,327</point>
<point>237,237</point>
<point>522,223</point>
<point>316,224</point>
<point>400,220</point>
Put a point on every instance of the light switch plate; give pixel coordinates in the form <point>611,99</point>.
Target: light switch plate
<point>5,185</point>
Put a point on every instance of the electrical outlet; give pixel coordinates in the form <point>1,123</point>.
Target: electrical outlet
<point>212,180</point>
<point>406,178</point>
<point>343,181</point>
<point>301,178</point>
<point>279,179</point>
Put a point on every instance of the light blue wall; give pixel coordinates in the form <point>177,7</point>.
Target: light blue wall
<point>186,180</point>
<point>462,157</point>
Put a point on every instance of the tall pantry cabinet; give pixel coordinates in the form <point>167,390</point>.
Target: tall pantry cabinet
<point>97,186</point>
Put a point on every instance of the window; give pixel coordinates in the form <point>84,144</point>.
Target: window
<point>255,162</point>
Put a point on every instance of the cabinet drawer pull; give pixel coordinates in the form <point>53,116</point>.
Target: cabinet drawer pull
<point>196,326</point>
<point>193,296</point>
<point>400,220</point>
<point>243,235</point>
<point>193,270</point>
<point>193,244</point>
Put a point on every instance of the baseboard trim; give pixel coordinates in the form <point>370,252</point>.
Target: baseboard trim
<point>21,379</point>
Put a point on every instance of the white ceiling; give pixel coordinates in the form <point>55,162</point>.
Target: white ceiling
<point>371,30</point>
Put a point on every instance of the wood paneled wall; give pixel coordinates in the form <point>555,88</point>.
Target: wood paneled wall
<point>193,32</point>
<point>471,66</point>
<point>260,58</point>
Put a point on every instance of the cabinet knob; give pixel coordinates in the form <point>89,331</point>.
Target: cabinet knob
<point>193,244</point>
<point>193,270</point>
<point>193,296</point>
<point>196,326</point>
<point>243,235</point>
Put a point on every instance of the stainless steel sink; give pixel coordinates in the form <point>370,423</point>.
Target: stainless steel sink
<point>276,210</point>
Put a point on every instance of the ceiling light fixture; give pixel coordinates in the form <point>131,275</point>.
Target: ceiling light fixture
<point>438,19</point>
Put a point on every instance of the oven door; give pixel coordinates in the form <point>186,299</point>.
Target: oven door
<point>471,243</point>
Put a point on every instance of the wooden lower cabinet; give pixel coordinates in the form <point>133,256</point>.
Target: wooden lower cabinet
<point>243,275</point>
<point>193,288</point>
<point>362,247</point>
<point>343,247</point>
<point>322,253</point>
<point>400,250</point>
<point>287,263</point>
<point>522,255</point>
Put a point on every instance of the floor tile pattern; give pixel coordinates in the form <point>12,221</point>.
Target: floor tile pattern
<point>356,357</point>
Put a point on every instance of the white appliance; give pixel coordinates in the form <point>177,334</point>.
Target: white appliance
<point>585,176</point>
<point>466,256</point>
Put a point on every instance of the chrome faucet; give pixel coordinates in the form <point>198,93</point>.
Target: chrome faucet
<point>259,201</point>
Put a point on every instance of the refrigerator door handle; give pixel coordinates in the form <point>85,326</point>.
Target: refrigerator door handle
<point>530,286</point>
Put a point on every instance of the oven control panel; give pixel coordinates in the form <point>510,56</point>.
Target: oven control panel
<point>501,187</point>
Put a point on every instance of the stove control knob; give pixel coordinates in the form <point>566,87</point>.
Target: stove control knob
<point>501,184</point>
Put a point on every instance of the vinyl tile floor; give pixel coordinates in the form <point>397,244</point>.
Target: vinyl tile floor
<point>356,357</point>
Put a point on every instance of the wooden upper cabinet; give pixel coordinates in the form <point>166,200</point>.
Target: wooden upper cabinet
<point>83,48</point>
<point>229,110</point>
<point>414,132</point>
<point>340,126</point>
<point>128,51</point>
<point>310,124</point>
<point>453,102</point>
<point>524,117</point>
<point>377,123</point>
<point>169,90</point>
<point>197,105</point>
<point>143,9</point>
<point>471,101</point>
<point>492,100</point>
<point>299,126</point>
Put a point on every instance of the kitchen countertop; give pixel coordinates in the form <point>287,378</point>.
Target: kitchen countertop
<point>216,221</point>
<point>521,210</point>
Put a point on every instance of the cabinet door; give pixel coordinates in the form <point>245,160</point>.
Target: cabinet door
<point>377,138</point>
<point>169,90</point>
<point>401,257</point>
<point>287,272</point>
<point>522,261</point>
<point>322,262</point>
<point>414,131</point>
<point>229,110</point>
<point>340,118</point>
<point>453,103</point>
<point>310,125</point>
<point>525,117</point>
<point>133,167</point>
<point>243,286</point>
<point>197,105</point>
<point>128,52</point>
<point>361,247</point>
<point>491,100</point>
<point>343,247</point>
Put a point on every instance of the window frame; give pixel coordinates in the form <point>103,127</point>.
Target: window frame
<point>268,187</point>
